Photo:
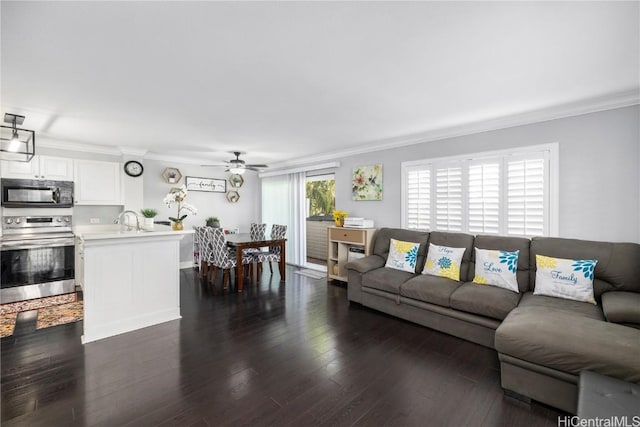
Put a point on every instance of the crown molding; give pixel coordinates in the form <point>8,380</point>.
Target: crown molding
<point>78,146</point>
<point>140,152</point>
<point>174,159</point>
<point>591,105</point>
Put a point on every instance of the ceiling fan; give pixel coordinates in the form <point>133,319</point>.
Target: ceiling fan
<point>239,166</point>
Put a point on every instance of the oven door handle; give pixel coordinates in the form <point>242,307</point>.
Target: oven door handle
<point>36,243</point>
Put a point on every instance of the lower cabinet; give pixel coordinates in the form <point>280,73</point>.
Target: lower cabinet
<point>344,244</point>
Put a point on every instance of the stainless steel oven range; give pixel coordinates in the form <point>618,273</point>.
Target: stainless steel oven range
<point>37,254</point>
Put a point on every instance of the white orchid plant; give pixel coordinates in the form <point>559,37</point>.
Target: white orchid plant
<point>177,196</point>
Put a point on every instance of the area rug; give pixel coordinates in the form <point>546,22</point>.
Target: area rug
<point>7,323</point>
<point>60,314</point>
<point>51,311</point>
<point>314,274</point>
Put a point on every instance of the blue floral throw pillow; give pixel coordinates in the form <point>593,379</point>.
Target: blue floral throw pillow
<point>403,255</point>
<point>497,268</point>
<point>443,261</point>
<point>565,278</point>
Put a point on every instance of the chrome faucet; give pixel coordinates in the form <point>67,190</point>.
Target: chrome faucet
<point>123,214</point>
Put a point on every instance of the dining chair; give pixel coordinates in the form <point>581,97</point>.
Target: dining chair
<point>203,249</point>
<point>273,254</point>
<point>221,257</point>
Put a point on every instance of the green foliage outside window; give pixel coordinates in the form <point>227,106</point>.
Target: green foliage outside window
<point>322,197</point>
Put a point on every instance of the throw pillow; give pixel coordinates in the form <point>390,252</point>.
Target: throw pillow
<point>565,278</point>
<point>403,255</point>
<point>443,261</point>
<point>497,268</point>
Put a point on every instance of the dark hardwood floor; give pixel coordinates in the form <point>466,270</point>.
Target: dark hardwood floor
<point>278,354</point>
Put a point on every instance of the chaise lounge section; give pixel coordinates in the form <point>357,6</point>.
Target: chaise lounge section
<point>543,342</point>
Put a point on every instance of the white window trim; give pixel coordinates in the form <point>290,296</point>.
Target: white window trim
<point>554,174</point>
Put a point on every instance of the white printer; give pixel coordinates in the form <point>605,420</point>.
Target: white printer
<point>358,222</point>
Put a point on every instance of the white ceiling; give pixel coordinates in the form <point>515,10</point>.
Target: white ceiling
<point>287,80</point>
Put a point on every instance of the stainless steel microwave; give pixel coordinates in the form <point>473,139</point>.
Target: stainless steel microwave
<point>30,193</point>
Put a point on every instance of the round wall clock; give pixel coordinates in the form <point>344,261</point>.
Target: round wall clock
<point>133,168</point>
<point>236,180</point>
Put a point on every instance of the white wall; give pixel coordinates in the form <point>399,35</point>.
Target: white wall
<point>232,215</point>
<point>599,172</point>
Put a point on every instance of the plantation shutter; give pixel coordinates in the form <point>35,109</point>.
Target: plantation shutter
<point>448,198</point>
<point>527,197</point>
<point>418,193</point>
<point>484,196</point>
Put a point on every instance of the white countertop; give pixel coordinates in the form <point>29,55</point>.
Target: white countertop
<point>116,231</point>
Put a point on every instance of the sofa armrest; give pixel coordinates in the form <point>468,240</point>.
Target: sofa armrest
<point>365,264</point>
<point>621,307</point>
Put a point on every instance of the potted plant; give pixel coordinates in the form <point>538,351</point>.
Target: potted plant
<point>213,221</point>
<point>177,196</point>
<point>339,216</point>
<point>148,214</point>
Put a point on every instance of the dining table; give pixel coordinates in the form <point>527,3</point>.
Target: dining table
<point>243,241</point>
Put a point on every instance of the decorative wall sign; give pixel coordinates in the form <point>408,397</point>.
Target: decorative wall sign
<point>367,183</point>
<point>236,180</point>
<point>171,175</point>
<point>212,185</point>
<point>233,196</point>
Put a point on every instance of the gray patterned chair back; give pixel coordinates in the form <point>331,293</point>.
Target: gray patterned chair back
<point>201,242</point>
<point>257,231</point>
<point>218,247</point>
<point>277,232</point>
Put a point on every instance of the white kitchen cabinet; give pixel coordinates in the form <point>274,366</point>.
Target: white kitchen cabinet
<point>40,167</point>
<point>98,183</point>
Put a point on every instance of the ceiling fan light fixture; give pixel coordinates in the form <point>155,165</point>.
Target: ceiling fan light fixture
<point>237,169</point>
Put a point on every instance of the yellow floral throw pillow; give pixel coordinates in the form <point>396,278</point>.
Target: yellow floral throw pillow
<point>443,261</point>
<point>565,278</point>
<point>403,255</point>
<point>497,268</point>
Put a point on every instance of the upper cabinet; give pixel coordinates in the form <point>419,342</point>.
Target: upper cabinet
<point>40,167</point>
<point>98,183</point>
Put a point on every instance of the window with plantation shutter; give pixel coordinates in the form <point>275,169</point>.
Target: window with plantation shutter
<point>526,197</point>
<point>507,193</point>
<point>484,197</point>
<point>418,198</point>
<point>448,200</point>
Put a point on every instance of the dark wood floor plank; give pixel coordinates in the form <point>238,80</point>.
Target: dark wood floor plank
<point>294,353</point>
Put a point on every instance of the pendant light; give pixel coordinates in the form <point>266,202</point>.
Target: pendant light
<point>18,145</point>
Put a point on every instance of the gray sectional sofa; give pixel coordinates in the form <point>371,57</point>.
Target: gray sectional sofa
<point>542,342</point>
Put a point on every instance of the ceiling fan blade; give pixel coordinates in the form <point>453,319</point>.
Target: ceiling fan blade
<point>257,166</point>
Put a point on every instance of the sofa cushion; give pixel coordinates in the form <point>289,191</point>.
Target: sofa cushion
<point>618,268</point>
<point>402,255</point>
<point>443,261</point>
<point>511,244</point>
<point>432,289</point>
<point>565,278</point>
<point>622,307</point>
<point>490,301</point>
<point>383,236</point>
<point>496,268</point>
<point>561,340</point>
<point>573,308</point>
<point>456,240</point>
<point>385,279</point>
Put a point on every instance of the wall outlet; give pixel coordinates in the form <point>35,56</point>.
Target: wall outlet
<point>95,220</point>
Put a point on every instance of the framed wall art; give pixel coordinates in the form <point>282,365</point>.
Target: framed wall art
<point>211,185</point>
<point>367,183</point>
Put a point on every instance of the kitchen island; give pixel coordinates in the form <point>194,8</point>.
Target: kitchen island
<point>130,279</point>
